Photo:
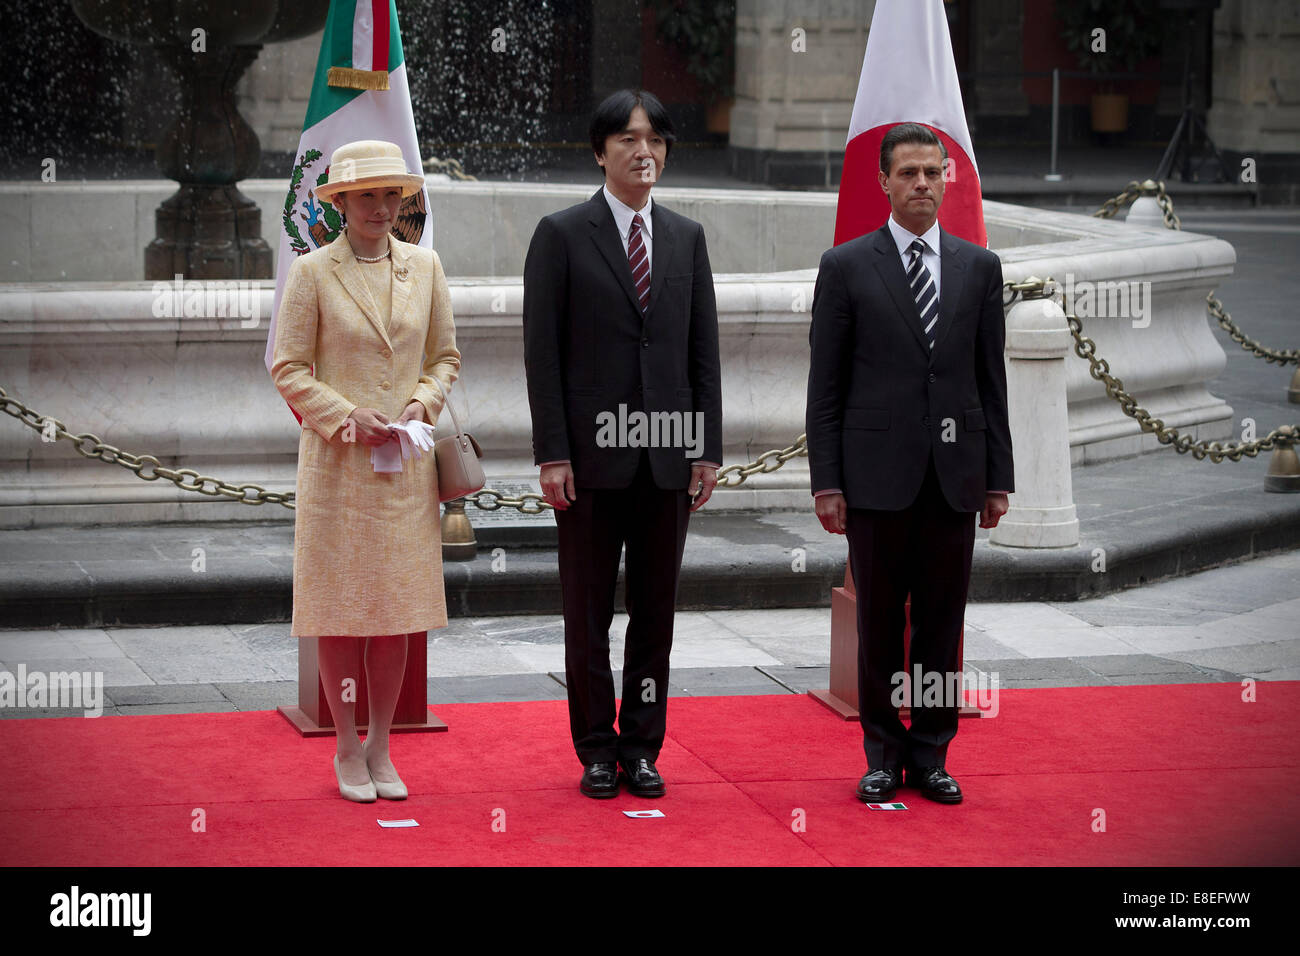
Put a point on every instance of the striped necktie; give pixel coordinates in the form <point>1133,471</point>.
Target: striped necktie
<point>639,261</point>
<point>923,290</point>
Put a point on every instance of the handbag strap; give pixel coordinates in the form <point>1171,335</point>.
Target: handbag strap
<point>446,403</point>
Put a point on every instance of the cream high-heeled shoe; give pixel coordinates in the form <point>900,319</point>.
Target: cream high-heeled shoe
<point>389,791</point>
<point>361,793</point>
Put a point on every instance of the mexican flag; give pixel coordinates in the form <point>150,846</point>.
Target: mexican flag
<point>908,76</point>
<point>359,92</point>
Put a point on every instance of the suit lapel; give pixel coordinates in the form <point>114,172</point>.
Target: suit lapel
<point>349,274</point>
<point>662,237</point>
<point>889,265</point>
<point>401,286</point>
<point>952,272</point>
<point>604,233</point>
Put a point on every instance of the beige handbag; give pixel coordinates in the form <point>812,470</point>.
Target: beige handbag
<point>457,457</point>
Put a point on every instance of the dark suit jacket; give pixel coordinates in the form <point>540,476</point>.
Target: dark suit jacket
<point>588,348</point>
<point>880,402</point>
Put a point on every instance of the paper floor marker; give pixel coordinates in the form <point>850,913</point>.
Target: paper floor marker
<point>886,806</point>
<point>397,823</point>
<point>643,814</point>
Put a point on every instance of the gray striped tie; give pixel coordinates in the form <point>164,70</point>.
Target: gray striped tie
<point>923,290</point>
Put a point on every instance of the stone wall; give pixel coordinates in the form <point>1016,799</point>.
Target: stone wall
<point>1255,114</point>
<point>794,93</point>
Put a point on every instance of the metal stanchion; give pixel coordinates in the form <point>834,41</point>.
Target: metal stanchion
<point>458,541</point>
<point>1284,467</point>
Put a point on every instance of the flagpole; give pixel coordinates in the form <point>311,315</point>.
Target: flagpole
<point>1053,176</point>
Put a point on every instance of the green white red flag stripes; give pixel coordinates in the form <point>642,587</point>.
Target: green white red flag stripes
<point>908,76</point>
<point>370,36</point>
<point>359,91</point>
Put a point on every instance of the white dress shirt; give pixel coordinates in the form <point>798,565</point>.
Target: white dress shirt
<point>623,214</point>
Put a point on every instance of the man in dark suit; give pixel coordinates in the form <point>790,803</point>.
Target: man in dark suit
<point>907,438</point>
<point>621,353</point>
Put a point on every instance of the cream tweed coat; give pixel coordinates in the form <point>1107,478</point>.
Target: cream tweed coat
<point>367,556</point>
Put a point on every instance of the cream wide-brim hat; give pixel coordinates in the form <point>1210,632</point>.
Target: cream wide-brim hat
<point>368,164</point>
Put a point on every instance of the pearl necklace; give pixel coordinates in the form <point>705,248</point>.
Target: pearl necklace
<point>375,259</point>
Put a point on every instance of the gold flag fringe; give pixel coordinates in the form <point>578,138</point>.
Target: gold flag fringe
<point>353,79</point>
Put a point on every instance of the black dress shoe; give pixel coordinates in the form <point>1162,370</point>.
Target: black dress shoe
<point>643,779</point>
<point>935,784</point>
<point>877,786</point>
<point>600,780</point>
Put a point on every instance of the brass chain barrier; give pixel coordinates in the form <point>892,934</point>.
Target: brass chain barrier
<point>149,468</point>
<point>1280,356</point>
<point>529,503</point>
<point>1280,437</point>
<point>146,467</point>
<point>1150,188</point>
<point>1135,190</point>
<point>733,476</point>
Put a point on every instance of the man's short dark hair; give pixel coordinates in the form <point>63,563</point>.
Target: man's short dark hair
<point>913,134</point>
<point>613,115</point>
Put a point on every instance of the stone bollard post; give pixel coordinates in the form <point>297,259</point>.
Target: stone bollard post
<point>1145,211</point>
<point>1042,512</point>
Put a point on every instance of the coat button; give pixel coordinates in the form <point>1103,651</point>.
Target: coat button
<point>386,386</point>
<point>387,353</point>
<point>932,376</point>
<point>926,421</point>
<point>645,343</point>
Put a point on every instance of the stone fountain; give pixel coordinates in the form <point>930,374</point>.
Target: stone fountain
<point>207,229</point>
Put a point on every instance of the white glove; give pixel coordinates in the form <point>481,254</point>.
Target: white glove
<point>416,437</point>
<point>413,438</point>
<point>421,435</point>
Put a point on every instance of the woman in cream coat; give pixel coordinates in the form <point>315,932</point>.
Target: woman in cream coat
<point>364,327</point>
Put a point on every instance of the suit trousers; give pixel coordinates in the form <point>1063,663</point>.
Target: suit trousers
<point>923,550</point>
<point>593,530</point>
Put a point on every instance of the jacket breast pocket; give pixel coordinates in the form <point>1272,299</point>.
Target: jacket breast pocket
<point>876,419</point>
<point>975,420</point>
<point>678,286</point>
<point>674,299</point>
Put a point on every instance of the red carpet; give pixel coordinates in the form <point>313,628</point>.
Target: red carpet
<point>1185,774</point>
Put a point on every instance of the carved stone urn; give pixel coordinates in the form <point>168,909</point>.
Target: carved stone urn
<point>208,229</point>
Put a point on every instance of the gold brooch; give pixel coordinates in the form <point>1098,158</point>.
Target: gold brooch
<point>400,273</point>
